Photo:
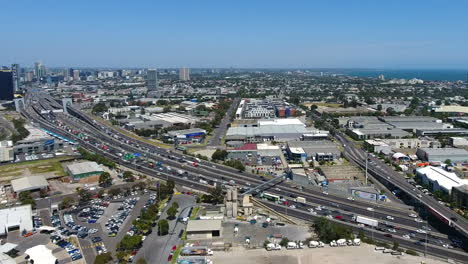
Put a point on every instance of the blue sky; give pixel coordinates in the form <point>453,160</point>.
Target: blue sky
<point>255,33</point>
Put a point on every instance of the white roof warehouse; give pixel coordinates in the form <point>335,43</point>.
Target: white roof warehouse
<point>16,218</point>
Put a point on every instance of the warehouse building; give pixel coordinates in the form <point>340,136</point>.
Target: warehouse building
<point>194,135</point>
<point>16,218</point>
<point>459,142</point>
<point>85,169</point>
<point>319,150</point>
<point>31,183</point>
<point>442,154</point>
<point>37,141</point>
<point>436,132</point>
<point>439,179</point>
<point>266,133</point>
<point>203,229</point>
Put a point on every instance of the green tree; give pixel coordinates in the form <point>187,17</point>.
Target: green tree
<point>448,161</point>
<point>67,202</point>
<point>284,242</point>
<point>128,176</point>
<point>176,205</point>
<point>171,212</point>
<point>83,194</point>
<point>396,245</point>
<point>163,227</point>
<point>99,108</point>
<point>167,109</point>
<point>215,196</point>
<point>130,242</point>
<point>114,191</point>
<point>103,258</point>
<point>25,198</point>
<point>105,179</point>
<point>219,154</point>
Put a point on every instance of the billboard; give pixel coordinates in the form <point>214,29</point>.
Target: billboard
<point>364,195</point>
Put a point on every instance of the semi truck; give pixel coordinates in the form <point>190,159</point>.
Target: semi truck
<point>301,200</point>
<point>365,220</point>
<point>196,251</point>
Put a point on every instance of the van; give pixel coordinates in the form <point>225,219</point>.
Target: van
<point>379,248</point>
<point>291,245</point>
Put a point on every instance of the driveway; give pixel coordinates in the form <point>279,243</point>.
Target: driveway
<point>156,249</point>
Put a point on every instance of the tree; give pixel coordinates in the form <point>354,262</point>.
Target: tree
<point>167,109</point>
<point>219,154</point>
<point>448,161</point>
<point>84,194</point>
<point>396,245</point>
<point>313,107</point>
<point>99,108</point>
<point>25,198</point>
<point>215,196</point>
<point>67,202</point>
<point>171,212</point>
<point>128,176</point>
<point>114,191</point>
<point>284,242</point>
<point>163,227</point>
<point>103,258</point>
<point>176,205</point>
<point>105,179</point>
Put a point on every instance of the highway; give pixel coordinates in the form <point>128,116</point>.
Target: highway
<point>214,173</point>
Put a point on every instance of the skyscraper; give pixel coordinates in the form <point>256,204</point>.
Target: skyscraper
<point>15,68</point>
<point>6,85</point>
<point>76,75</point>
<point>184,74</point>
<point>152,80</point>
<point>39,70</point>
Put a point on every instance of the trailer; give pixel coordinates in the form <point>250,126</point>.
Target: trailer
<point>365,220</point>
<point>196,251</point>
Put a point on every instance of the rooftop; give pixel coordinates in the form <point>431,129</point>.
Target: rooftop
<point>203,225</point>
<point>84,167</point>
<point>445,151</point>
<point>16,216</point>
<point>446,179</point>
<point>29,183</point>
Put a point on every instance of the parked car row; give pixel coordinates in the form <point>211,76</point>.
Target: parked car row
<point>74,252</point>
<point>37,222</point>
<point>116,220</point>
<point>79,230</point>
<point>93,213</point>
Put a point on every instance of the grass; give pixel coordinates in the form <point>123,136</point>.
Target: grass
<point>35,166</point>
<point>323,104</point>
<point>194,213</point>
<point>162,203</point>
<point>184,235</point>
<point>176,254</point>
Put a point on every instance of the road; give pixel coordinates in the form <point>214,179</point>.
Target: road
<point>206,170</point>
<point>220,131</point>
<point>156,249</point>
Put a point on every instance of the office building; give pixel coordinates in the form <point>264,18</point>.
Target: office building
<point>76,75</point>
<point>6,85</point>
<point>184,74</point>
<point>6,151</point>
<point>152,80</point>
<point>39,70</point>
<point>15,68</point>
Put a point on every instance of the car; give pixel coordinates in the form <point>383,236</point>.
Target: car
<point>339,217</point>
<point>169,258</point>
<point>418,220</point>
<point>413,215</point>
<point>421,231</point>
<point>406,236</point>
<point>388,235</point>
<point>174,248</point>
<point>390,217</point>
<point>370,209</point>
<point>391,230</point>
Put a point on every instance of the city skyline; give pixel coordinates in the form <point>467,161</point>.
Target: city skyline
<point>269,34</point>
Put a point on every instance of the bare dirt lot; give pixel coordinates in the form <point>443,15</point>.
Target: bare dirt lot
<point>364,254</point>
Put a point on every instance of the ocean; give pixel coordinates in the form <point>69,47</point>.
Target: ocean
<point>427,75</point>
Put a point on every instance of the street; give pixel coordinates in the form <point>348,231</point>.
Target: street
<point>223,126</point>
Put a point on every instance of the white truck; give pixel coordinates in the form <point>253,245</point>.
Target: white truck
<point>316,244</point>
<point>271,246</point>
<point>301,200</point>
<point>357,242</point>
<point>365,220</point>
<point>291,245</point>
<point>341,242</point>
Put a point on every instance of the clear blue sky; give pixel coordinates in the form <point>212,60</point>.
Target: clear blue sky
<point>255,33</point>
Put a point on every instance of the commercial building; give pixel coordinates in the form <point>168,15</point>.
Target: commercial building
<point>203,229</point>
<point>41,254</point>
<point>194,135</point>
<point>84,169</point>
<point>184,74</point>
<point>442,154</point>
<point>15,68</point>
<point>265,108</point>
<point>37,141</point>
<point>29,183</point>
<point>439,179</point>
<point>171,118</point>
<point>6,85</point>
<point>459,142</point>
<point>362,128</point>
<point>437,132</point>
<point>460,196</point>
<point>6,151</point>
<point>76,75</point>
<point>319,150</point>
<point>16,218</point>
<point>152,80</point>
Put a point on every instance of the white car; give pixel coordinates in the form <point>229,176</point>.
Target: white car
<point>370,209</point>
<point>390,217</point>
<point>418,220</point>
<point>413,215</point>
<point>420,231</point>
<point>406,237</point>
<point>391,230</point>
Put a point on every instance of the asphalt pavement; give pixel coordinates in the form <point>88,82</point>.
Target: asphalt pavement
<point>215,140</point>
<point>156,249</point>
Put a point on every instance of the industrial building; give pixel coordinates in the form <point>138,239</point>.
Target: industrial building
<point>171,118</point>
<point>319,150</point>
<point>411,123</point>
<point>362,128</point>
<point>442,154</point>
<point>439,179</point>
<point>265,109</point>
<point>6,151</point>
<point>194,135</point>
<point>203,229</point>
<point>84,169</point>
<point>30,183</point>
<point>436,132</point>
<point>37,141</point>
<point>16,218</point>
<point>459,142</point>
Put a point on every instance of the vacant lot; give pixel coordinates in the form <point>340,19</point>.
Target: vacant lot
<point>49,168</point>
<point>364,254</point>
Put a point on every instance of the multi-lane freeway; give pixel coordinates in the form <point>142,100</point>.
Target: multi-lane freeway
<point>196,177</point>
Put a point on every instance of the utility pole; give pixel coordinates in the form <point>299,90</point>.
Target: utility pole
<point>367,159</point>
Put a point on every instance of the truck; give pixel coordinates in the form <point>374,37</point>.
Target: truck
<point>291,245</point>
<point>365,220</point>
<point>301,200</point>
<point>357,242</point>
<point>271,246</point>
<point>196,251</point>
<point>341,242</point>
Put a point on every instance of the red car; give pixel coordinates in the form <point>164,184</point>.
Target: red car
<point>174,248</point>
<point>170,257</point>
<point>339,217</point>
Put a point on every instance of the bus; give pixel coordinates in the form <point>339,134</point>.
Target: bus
<point>271,197</point>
